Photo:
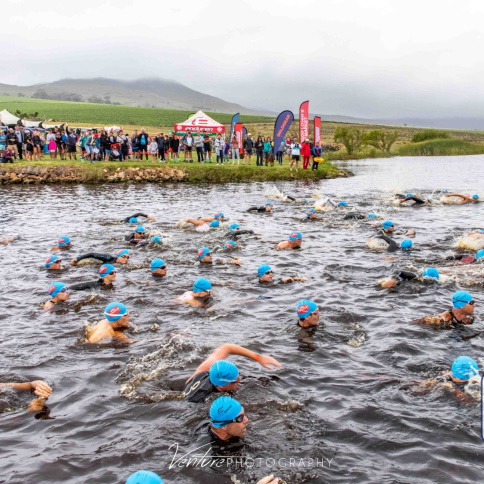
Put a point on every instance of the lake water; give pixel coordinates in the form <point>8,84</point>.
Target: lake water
<point>343,407</point>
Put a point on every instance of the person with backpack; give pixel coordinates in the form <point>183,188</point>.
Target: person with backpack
<point>143,142</point>
<point>317,151</point>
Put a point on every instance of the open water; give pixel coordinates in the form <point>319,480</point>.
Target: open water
<point>344,407</point>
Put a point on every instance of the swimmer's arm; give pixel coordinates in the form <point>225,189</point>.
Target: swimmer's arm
<point>89,255</point>
<point>464,198</point>
<point>195,303</point>
<point>407,275</point>
<point>392,245</point>
<point>39,387</point>
<point>242,232</point>
<point>253,209</point>
<point>123,338</point>
<point>286,280</point>
<point>436,319</point>
<point>141,215</point>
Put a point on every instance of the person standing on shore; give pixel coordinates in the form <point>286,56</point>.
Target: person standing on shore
<point>20,139</point>
<point>234,147</point>
<point>219,149</point>
<point>259,151</point>
<point>198,142</point>
<point>72,139</point>
<point>160,139</point>
<point>143,141</point>
<point>188,142</point>
<point>207,148</point>
<point>280,152</point>
<point>306,153</point>
<point>248,147</point>
<point>267,151</point>
<point>296,154</point>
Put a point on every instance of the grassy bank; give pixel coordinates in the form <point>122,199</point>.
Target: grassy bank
<point>40,172</point>
<point>441,147</point>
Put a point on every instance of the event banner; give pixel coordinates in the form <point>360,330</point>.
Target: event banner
<point>281,126</point>
<point>303,121</point>
<point>238,135</point>
<point>235,119</point>
<point>317,130</point>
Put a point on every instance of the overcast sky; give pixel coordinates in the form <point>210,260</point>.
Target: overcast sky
<point>368,58</point>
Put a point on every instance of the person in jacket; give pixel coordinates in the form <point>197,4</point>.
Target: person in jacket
<point>198,142</point>
<point>259,151</point>
<point>268,151</point>
<point>188,142</point>
<point>235,150</point>
<point>248,148</point>
<point>317,152</point>
<point>280,151</point>
<point>306,153</point>
<point>72,139</point>
<point>219,149</point>
<point>143,142</point>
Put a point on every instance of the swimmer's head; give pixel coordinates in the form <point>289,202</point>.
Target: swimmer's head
<point>107,270</point>
<point>158,267</point>
<point>215,223</point>
<point>295,236</point>
<point>311,213</point>
<point>388,225</point>
<point>431,272</point>
<point>144,477</point>
<point>371,216</point>
<point>475,197</point>
<point>156,239</point>
<point>265,273</point>
<point>308,312</point>
<point>56,288</point>
<point>406,244</point>
<point>479,254</point>
<point>133,220</point>
<point>224,375</point>
<point>233,227</point>
<point>63,241</point>
<point>140,229</point>
<point>122,256</point>
<point>409,195</point>
<point>224,411</point>
<point>268,206</point>
<point>230,244</point>
<point>342,204</point>
<point>430,199</point>
<point>202,285</point>
<point>115,311</point>
<point>218,215</point>
<point>464,368</point>
<point>204,252</point>
<point>52,262</point>
<point>461,299</point>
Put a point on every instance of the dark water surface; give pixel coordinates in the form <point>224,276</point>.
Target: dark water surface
<point>342,407</point>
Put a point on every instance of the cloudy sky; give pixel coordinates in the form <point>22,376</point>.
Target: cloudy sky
<point>368,58</point>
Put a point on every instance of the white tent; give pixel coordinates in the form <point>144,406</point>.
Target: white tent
<point>30,124</point>
<point>8,118</point>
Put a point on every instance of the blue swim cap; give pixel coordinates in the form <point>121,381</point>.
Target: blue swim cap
<point>157,263</point>
<point>115,311</point>
<point>406,244</point>
<point>203,252</point>
<point>479,254</point>
<point>342,204</point>
<point>475,197</point>
<point>106,269</point>
<point>223,372</point>
<point>305,307</point>
<point>63,240</point>
<point>121,252</point>
<point>430,199</point>
<point>219,215</point>
<point>230,244</point>
<point>464,368</point>
<point>304,200</point>
<point>56,287</point>
<point>269,204</point>
<point>140,228</point>
<point>215,223</point>
<point>263,269</point>
<point>310,212</point>
<point>156,239</point>
<point>295,236</point>
<point>387,224</point>
<point>201,285</point>
<point>460,299</point>
<point>234,226</point>
<point>133,220</point>
<point>144,477</point>
<point>52,259</point>
<point>223,410</point>
<point>409,195</point>
<point>431,272</point>
<point>371,215</point>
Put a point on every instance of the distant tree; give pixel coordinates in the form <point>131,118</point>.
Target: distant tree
<point>428,134</point>
<point>116,103</point>
<point>381,139</point>
<point>107,99</point>
<point>20,94</point>
<point>351,138</point>
<point>40,94</point>
<point>95,100</point>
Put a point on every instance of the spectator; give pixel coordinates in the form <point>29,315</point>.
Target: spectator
<point>207,148</point>
<point>280,151</point>
<point>19,133</point>
<point>37,145</point>
<point>153,149</point>
<point>90,144</point>
<point>143,141</point>
<point>268,151</point>
<point>187,142</point>
<point>135,144</point>
<point>122,139</point>
<point>306,153</point>
<point>3,141</point>
<point>296,154</point>
<point>317,152</point>
<point>219,149</point>
<point>12,142</point>
<point>71,143</point>
<point>259,150</point>
<point>235,149</point>
<point>248,148</point>
<point>161,146</point>
<point>198,141</point>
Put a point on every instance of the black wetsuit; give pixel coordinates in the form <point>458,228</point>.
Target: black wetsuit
<point>392,245</point>
<point>140,242</point>
<point>237,233</point>
<point>126,220</point>
<point>417,200</point>
<point>403,276</point>
<point>81,286</point>
<point>95,255</point>
<point>199,388</point>
<point>354,216</point>
<point>257,209</point>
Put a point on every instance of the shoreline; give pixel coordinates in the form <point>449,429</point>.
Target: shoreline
<point>49,172</point>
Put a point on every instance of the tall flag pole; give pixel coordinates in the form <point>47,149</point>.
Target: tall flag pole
<point>304,121</point>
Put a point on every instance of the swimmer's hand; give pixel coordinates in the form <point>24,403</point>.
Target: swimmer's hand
<point>268,362</point>
<point>235,261</point>
<point>40,388</point>
<point>269,480</point>
<point>151,218</point>
<point>389,283</point>
<point>410,232</point>
<point>36,405</point>
<point>73,262</point>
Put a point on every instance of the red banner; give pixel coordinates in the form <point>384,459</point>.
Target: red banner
<point>238,135</point>
<point>304,121</point>
<point>317,130</point>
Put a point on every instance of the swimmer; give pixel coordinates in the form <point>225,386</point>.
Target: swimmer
<point>138,236</point>
<point>205,257</point>
<point>154,241</point>
<point>308,313</point>
<point>388,228</point>
<point>462,370</point>
<point>461,313</point>
<point>311,214</point>
<point>6,240</point>
<point>464,198</point>
<point>37,387</point>
<point>53,263</point>
<point>342,204</point>
<point>466,258</point>
<point>227,418</point>
<point>58,292</point>
<point>294,242</point>
<point>265,275</point>
<point>63,243</point>
<point>134,220</point>
<point>158,268</point>
<point>107,275</point>
<point>418,201</point>
<point>200,296</point>
<point>219,216</point>
<point>262,208</point>
<point>121,257</point>
<point>217,374</point>
<point>112,327</point>
<point>399,277</point>
<point>392,245</point>
<point>354,216</point>
<point>234,233</point>
<point>144,477</point>
<point>202,226</point>
<point>229,245</point>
